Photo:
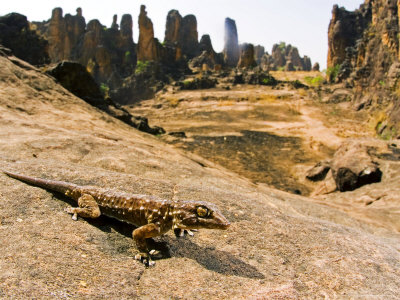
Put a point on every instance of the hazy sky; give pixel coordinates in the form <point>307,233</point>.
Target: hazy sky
<point>301,23</point>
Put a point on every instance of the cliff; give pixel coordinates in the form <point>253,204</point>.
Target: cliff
<point>364,55</point>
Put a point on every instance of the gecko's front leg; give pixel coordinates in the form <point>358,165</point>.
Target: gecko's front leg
<point>88,208</point>
<point>140,235</point>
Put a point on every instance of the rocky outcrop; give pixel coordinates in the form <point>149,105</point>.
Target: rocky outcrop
<point>189,36</point>
<point>345,28</point>
<point>181,34</point>
<point>363,47</point>
<point>246,56</point>
<point>259,51</point>
<point>173,28</point>
<point>64,33</point>
<point>286,57</point>
<point>147,46</point>
<point>75,78</point>
<point>109,54</point>
<point>231,47</point>
<point>15,33</point>
<point>315,67</point>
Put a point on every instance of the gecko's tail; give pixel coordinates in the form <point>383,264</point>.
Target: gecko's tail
<point>56,186</point>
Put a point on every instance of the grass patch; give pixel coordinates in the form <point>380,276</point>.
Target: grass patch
<point>316,81</point>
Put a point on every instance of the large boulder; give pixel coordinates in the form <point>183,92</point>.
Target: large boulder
<point>231,47</point>
<point>352,166</point>
<point>26,44</point>
<point>75,78</point>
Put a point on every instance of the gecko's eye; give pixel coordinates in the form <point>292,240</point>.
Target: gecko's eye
<point>202,212</point>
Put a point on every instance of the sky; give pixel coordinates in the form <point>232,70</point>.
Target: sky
<point>303,24</point>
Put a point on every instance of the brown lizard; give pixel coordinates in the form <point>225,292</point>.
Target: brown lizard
<point>151,215</point>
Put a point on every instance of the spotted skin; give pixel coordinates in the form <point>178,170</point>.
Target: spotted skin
<point>151,215</point>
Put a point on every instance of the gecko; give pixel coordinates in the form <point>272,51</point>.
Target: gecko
<point>153,216</point>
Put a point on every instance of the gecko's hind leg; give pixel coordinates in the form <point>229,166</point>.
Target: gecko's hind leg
<point>88,208</point>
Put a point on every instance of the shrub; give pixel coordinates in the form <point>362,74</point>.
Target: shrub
<point>314,81</point>
<point>104,88</point>
<point>332,73</point>
<point>141,66</point>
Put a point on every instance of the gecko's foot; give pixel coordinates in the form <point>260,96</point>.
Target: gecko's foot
<point>71,210</point>
<point>182,232</point>
<point>145,259</point>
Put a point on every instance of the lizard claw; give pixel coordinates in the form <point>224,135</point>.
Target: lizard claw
<point>181,232</point>
<point>72,211</point>
<point>145,259</point>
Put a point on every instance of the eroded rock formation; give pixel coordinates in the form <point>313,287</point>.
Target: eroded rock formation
<point>15,33</point>
<point>247,56</point>
<point>285,57</point>
<point>147,46</point>
<point>231,47</point>
<point>363,52</point>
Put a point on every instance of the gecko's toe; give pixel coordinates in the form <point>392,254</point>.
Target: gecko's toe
<point>145,259</point>
<point>182,232</point>
<point>154,252</point>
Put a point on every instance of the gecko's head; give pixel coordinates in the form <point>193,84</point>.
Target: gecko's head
<point>195,215</point>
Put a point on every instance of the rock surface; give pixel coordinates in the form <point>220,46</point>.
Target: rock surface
<point>279,245</point>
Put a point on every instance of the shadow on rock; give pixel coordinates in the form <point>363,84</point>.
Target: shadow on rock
<point>214,260</point>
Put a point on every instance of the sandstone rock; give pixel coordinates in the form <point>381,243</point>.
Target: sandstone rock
<point>259,51</point>
<point>64,33</point>
<point>231,47</point>
<point>266,62</point>
<point>315,67</point>
<point>189,36</point>
<point>319,171</point>
<point>278,56</point>
<point>327,186</point>
<point>289,66</point>
<point>345,28</point>
<point>246,56</point>
<point>181,34</point>
<point>75,78</point>
<point>339,96</point>
<point>353,167</point>
<point>173,28</point>
<point>147,46</point>
<point>197,83</point>
<point>294,57</point>
<point>114,24</point>
<point>16,35</point>
<point>306,63</point>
